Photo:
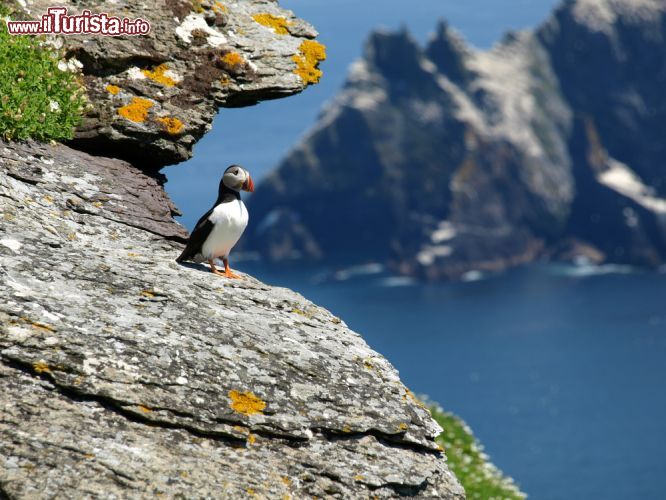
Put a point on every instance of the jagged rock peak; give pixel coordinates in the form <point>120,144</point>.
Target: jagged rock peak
<point>449,52</point>
<point>394,54</point>
<point>507,145</point>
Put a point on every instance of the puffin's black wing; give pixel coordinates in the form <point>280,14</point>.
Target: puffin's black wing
<point>197,238</point>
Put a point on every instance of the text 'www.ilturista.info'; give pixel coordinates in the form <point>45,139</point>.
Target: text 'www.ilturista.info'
<point>57,22</point>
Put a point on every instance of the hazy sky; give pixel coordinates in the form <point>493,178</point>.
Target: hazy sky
<point>259,136</point>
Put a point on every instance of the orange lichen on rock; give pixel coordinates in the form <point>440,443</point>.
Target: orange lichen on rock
<point>312,53</point>
<point>233,60</point>
<point>173,126</point>
<point>279,24</point>
<point>39,326</point>
<point>41,367</point>
<point>113,89</point>
<point>219,7</point>
<point>159,75</point>
<point>246,403</point>
<point>137,110</point>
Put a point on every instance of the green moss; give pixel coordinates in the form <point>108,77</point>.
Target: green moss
<point>37,100</point>
<point>480,478</point>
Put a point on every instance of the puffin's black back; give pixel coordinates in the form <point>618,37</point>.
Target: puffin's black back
<point>204,226</point>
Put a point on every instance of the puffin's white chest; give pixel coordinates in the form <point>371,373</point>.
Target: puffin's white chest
<point>229,221</point>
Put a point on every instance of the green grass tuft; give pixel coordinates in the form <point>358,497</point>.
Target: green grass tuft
<point>480,478</point>
<point>37,100</point>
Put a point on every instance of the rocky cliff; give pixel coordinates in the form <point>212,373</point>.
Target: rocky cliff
<point>126,375</point>
<point>444,159</point>
<point>123,373</point>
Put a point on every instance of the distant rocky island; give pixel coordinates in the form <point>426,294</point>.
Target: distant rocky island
<point>442,160</point>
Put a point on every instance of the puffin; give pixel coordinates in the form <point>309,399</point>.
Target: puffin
<point>221,227</point>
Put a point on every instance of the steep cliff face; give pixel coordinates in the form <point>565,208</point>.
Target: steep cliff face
<point>444,159</point>
<point>123,373</point>
<point>154,96</point>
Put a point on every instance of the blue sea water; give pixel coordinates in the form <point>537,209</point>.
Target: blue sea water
<point>559,371</point>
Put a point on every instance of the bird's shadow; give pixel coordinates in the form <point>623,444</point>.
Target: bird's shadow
<point>204,268</point>
<point>194,265</point>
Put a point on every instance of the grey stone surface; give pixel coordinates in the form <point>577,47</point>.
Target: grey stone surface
<point>126,375</point>
<point>200,55</point>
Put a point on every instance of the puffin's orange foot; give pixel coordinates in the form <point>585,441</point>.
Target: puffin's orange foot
<point>231,275</point>
<point>227,271</point>
<point>214,269</point>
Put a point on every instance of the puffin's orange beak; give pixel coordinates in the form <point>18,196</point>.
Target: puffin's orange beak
<point>248,185</point>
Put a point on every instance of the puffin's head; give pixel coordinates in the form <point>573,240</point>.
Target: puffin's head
<point>237,178</point>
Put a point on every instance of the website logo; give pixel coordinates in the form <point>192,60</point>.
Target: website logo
<point>57,22</point>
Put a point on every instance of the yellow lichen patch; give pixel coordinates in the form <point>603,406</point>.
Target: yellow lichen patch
<point>251,438</point>
<point>242,430</point>
<point>148,293</point>
<point>358,477</point>
<point>279,24</point>
<point>144,409</point>
<point>346,428</point>
<point>89,456</point>
<point>219,7</point>
<point>47,198</point>
<point>173,126</point>
<point>98,204</point>
<point>197,7</point>
<point>137,110</point>
<point>286,481</point>
<point>312,53</point>
<point>409,394</point>
<point>113,89</point>
<point>41,367</point>
<point>301,312</point>
<point>159,75</point>
<point>402,426</point>
<point>233,60</point>
<point>39,326</point>
<point>246,403</point>
<point>368,364</point>
<point>133,255</point>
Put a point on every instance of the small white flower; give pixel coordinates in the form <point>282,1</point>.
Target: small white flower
<point>54,106</point>
<point>73,65</point>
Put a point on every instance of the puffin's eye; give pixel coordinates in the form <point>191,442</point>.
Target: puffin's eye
<point>236,172</point>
